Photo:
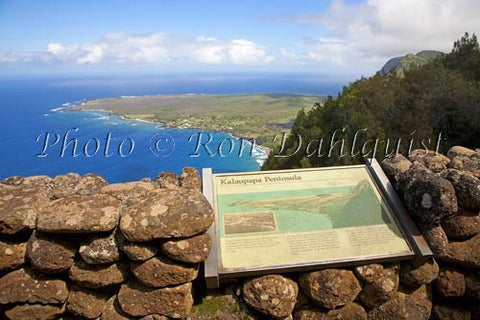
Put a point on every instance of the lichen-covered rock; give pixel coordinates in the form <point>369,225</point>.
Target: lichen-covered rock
<point>273,295</point>
<point>168,179</point>
<point>463,225</point>
<point>167,213</point>
<point>19,207</point>
<point>161,272</point>
<point>450,283</point>
<point>467,164</point>
<point>25,285</point>
<point>394,165</point>
<point>139,251</point>
<point>191,250</point>
<point>12,254</point>
<point>80,214</point>
<point>467,188</point>
<point>405,306</point>
<point>430,159</point>
<point>112,310</point>
<point>90,184</point>
<point>464,253</point>
<point>129,192</point>
<point>311,313</point>
<point>98,276</point>
<point>351,311</point>
<point>13,181</point>
<point>381,289</point>
<point>456,151</point>
<point>330,288</point>
<point>428,197</point>
<point>437,240</point>
<point>64,185</point>
<point>450,312</point>
<point>138,300</point>
<point>465,159</point>
<point>42,182</point>
<point>369,272</point>
<point>35,312</point>
<point>86,303</point>
<point>190,178</point>
<point>49,253</point>
<point>414,273</point>
<point>102,248</point>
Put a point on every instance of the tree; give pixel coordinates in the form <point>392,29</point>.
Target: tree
<point>465,57</point>
<point>440,97</point>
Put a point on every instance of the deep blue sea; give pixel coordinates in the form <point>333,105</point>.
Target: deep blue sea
<point>39,136</point>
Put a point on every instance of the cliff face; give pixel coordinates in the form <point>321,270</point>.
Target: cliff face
<point>74,247</point>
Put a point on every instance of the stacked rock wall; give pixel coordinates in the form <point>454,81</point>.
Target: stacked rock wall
<point>74,247</point>
<point>395,291</point>
<point>442,193</point>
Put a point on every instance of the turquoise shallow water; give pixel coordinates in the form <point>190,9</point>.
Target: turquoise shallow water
<point>35,127</point>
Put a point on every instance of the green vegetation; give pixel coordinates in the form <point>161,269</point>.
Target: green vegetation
<point>260,116</point>
<point>438,97</point>
<point>222,306</point>
<point>399,65</point>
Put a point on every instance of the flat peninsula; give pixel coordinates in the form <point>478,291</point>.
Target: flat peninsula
<point>259,116</point>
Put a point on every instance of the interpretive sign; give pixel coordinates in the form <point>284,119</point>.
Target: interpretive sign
<point>278,221</point>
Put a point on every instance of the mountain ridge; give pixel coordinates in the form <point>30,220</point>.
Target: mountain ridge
<point>400,64</point>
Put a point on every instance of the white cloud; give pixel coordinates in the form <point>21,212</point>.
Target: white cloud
<point>152,48</point>
<point>286,55</point>
<point>368,33</point>
<point>246,52</point>
<point>55,48</point>
<point>356,38</point>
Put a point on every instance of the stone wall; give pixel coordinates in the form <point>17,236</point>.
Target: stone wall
<point>442,194</point>
<point>74,247</point>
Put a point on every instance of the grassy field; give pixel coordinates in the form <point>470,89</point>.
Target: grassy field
<point>260,116</point>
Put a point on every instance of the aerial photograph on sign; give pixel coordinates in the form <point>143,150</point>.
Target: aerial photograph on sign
<point>248,222</point>
<point>317,208</point>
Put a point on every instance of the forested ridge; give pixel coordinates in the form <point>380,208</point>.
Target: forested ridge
<point>433,106</point>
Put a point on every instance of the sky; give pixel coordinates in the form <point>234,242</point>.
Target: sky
<point>339,38</point>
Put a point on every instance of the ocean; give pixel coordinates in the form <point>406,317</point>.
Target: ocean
<point>39,136</point>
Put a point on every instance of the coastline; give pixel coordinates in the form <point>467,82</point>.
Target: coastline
<point>264,149</point>
<point>75,107</point>
<point>255,117</point>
